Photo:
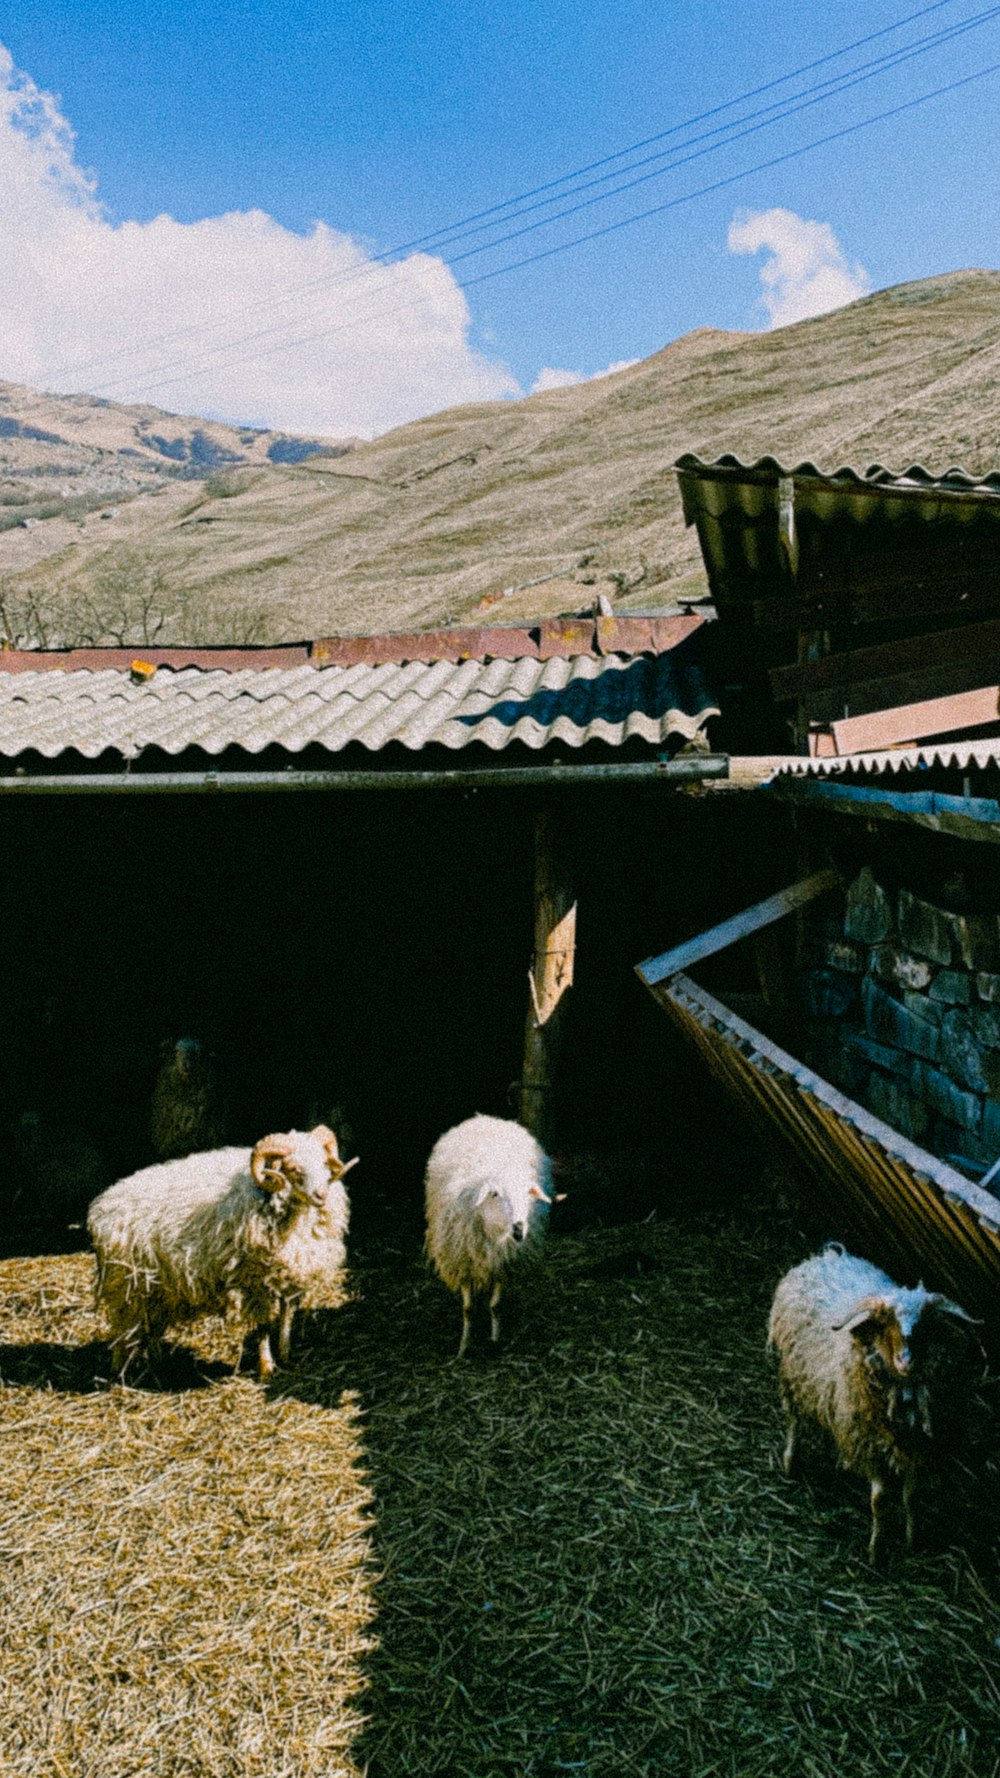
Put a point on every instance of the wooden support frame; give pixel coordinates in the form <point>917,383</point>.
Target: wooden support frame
<point>923,1213</point>
<point>550,977</point>
<point>755,919</point>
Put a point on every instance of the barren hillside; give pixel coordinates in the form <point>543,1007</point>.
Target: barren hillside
<point>558,497</point>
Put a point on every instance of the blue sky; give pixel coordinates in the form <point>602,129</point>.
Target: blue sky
<point>193,195</point>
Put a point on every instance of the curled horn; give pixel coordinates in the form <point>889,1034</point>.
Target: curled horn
<point>328,1142</point>
<point>270,1148</point>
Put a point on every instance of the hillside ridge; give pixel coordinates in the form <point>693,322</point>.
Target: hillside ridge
<point>491,512</point>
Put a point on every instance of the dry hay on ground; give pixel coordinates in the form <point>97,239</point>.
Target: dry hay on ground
<point>587,1558</point>
<point>185,1585</point>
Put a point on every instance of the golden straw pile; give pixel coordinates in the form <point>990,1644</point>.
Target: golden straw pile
<point>578,1556</point>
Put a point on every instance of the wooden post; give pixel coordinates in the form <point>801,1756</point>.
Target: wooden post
<point>549,978</point>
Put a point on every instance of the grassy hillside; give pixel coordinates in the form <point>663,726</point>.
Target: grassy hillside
<point>557,497</point>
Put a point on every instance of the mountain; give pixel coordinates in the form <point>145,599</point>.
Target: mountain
<point>494,511</point>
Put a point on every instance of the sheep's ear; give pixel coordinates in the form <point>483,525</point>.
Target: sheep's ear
<point>535,1191</point>
<point>867,1312</point>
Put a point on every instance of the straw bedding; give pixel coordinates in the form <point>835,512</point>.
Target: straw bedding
<point>578,1556</point>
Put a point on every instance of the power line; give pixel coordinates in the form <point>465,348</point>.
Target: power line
<point>456,231</point>
<point>188,366</point>
<point>629,221</point>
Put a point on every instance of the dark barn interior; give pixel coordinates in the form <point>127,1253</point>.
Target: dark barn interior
<point>361,955</point>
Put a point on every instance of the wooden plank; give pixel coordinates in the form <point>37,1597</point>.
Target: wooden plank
<point>656,969</point>
<point>549,978</point>
<point>914,722</point>
<point>851,668</point>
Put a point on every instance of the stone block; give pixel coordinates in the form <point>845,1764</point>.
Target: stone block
<point>891,965</point>
<point>868,915</point>
<point>939,1092</point>
<point>889,1100</point>
<point>990,1126</point>
<point>892,1060</point>
<point>843,953</point>
<point>828,993</point>
<point>961,1148</point>
<point>988,987</point>
<point>978,940</point>
<point>925,929</point>
<point>968,1048</point>
<point>952,986</point>
<point>923,1008</point>
<point>888,1021</point>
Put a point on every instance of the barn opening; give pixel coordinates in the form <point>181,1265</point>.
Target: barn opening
<point>362,955</point>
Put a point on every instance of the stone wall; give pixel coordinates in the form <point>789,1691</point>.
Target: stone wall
<point>902,998</point>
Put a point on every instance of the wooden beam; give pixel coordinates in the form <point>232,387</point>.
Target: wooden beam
<point>549,979</point>
<point>657,969</point>
<point>852,667</point>
<point>912,722</point>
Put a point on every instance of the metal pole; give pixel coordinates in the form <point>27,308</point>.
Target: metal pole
<point>691,769</point>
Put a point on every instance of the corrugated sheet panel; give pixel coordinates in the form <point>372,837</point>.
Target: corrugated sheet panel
<point>735,507</point>
<point>961,755</point>
<point>922,1213</point>
<point>413,704</point>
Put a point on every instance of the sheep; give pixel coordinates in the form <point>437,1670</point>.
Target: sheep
<point>261,1230</point>
<point>186,1114</point>
<point>884,1370</point>
<point>484,1187</point>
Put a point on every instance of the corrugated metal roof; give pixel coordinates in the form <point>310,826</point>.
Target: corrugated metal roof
<point>728,485</point>
<point>414,704</point>
<point>962,755</point>
<point>736,508</point>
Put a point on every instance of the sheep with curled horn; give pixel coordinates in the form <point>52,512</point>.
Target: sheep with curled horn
<point>888,1373</point>
<point>261,1229</point>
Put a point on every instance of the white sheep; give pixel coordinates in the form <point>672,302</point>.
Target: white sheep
<point>484,1190</point>
<point>260,1229</point>
<point>885,1371</point>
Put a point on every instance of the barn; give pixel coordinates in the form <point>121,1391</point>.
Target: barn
<point>409,877</point>
<point>402,877</point>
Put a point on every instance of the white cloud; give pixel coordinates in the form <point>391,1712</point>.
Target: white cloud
<point>806,271</point>
<point>567,379</point>
<point>160,311</point>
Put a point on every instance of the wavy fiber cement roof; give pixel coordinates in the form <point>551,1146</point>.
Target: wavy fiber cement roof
<point>413,704</point>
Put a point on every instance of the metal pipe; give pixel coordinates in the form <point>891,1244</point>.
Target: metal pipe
<point>690,769</point>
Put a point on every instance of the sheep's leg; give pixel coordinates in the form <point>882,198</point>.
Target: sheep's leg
<point>285,1331</point>
<point>265,1358</point>
<point>909,1502</point>
<point>466,1319</point>
<point>790,1454</point>
<point>495,1313</point>
<point>880,1504</point>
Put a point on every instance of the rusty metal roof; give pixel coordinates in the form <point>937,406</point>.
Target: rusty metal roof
<point>557,637</point>
<point>495,702</point>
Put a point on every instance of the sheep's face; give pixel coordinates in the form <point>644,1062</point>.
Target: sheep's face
<point>296,1167</point>
<point>497,1216</point>
<point>914,1348</point>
